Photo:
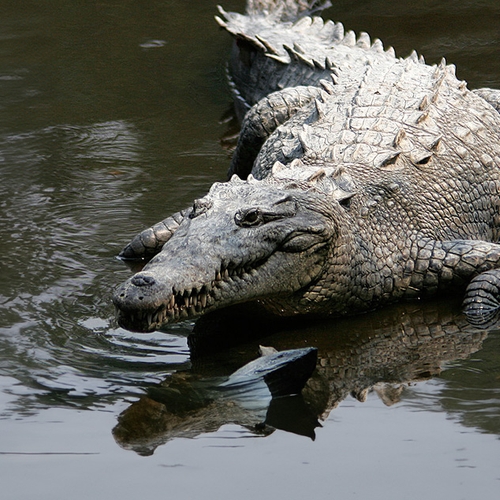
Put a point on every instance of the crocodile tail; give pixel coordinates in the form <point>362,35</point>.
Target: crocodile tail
<point>286,10</point>
<point>265,55</point>
<point>280,44</point>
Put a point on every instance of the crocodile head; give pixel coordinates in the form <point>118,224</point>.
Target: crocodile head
<point>244,241</point>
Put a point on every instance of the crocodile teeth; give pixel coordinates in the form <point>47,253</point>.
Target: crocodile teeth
<point>192,301</point>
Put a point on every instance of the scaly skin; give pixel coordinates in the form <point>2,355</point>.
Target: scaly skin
<point>380,183</point>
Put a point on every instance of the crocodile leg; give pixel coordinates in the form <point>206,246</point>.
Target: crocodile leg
<point>149,242</point>
<point>491,96</point>
<point>263,119</point>
<point>460,261</point>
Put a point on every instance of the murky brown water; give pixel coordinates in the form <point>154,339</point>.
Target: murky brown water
<point>111,116</point>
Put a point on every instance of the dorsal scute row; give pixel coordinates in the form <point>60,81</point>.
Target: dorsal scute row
<point>375,110</point>
<point>386,121</point>
<point>310,40</point>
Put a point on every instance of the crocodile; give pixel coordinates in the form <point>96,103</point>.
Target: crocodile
<point>359,179</point>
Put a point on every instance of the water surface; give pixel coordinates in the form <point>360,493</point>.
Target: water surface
<point>113,116</point>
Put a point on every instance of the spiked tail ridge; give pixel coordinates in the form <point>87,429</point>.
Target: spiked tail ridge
<point>273,49</point>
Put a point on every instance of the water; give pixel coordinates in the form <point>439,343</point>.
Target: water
<point>111,117</point>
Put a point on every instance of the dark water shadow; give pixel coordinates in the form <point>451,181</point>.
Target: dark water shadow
<point>382,352</point>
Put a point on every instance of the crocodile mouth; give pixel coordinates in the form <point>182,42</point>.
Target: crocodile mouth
<point>182,303</point>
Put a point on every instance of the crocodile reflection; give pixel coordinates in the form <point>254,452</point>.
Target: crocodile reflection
<point>186,404</point>
<point>382,352</point>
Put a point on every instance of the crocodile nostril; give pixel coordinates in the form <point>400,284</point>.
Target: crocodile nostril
<point>142,280</point>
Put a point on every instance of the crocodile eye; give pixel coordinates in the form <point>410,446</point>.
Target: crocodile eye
<point>251,217</point>
<point>248,218</point>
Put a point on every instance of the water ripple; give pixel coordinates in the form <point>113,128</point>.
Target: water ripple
<point>62,203</point>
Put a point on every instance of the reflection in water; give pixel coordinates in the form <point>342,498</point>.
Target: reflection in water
<point>184,405</point>
<point>409,344</point>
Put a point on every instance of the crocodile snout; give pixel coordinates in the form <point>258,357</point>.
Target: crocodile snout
<point>136,301</point>
<point>135,290</point>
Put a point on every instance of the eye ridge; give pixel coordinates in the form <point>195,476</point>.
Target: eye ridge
<point>200,207</point>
